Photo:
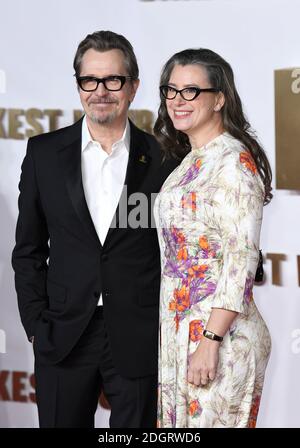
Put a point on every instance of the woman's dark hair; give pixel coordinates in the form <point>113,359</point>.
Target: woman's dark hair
<point>220,75</point>
<point>105,41</point>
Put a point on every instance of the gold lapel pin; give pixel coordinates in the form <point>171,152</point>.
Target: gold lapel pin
<point>143,159</point>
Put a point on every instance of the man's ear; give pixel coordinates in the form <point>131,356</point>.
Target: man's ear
<point>135,85</point>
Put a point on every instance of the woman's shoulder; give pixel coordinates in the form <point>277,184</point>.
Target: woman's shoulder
<point>237,166</point>
<point>235,156</point>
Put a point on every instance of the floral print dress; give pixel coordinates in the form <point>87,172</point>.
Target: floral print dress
<point>208,216</point>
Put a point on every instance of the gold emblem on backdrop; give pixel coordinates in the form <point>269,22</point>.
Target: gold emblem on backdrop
<point>20,124</point>
<point>142,118</point>
<point>276,260</point>
<point>287,124</point>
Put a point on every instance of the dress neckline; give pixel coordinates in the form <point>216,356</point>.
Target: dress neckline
<point>212,143</point>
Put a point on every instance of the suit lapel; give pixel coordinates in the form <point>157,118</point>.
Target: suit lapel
<point>70,161</point>
<point>139,160</point>
<point>138,164</point>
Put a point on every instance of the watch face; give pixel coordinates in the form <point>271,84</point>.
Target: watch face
<point>212,336</point>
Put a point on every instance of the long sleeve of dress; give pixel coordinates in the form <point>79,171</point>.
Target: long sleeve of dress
<point>236,207</point>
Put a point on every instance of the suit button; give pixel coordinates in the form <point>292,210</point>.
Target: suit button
<point>97,294</point>
<point>104,257</point>
<point>106,294</point>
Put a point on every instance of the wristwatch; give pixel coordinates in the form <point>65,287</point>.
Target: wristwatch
<point>210,335</point>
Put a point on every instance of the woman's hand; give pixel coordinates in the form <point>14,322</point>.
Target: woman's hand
<point>203,362</point>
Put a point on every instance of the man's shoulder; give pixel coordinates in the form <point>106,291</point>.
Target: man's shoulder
<point>139,134</point>
<point>156,152</point>
<point>59,137</point>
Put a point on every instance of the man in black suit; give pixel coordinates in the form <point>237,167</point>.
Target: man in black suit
<point>88,284</point>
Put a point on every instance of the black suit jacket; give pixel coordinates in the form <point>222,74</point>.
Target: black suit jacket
<point>61,267</point>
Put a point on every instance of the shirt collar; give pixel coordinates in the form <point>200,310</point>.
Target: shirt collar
<point>86,137</point>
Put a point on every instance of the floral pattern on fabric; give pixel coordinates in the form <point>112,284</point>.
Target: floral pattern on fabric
<point>208,216</point>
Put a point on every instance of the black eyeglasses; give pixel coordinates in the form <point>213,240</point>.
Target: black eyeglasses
<point>112,83</point>
<point>188,94</point>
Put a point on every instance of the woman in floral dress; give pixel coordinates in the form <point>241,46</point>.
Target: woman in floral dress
<point>214,344</point>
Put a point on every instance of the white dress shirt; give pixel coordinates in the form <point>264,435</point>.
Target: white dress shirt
<point>103,177</point>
